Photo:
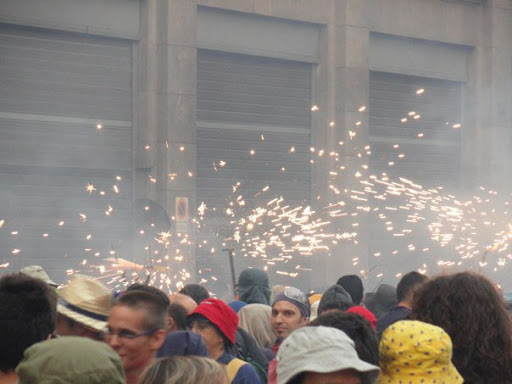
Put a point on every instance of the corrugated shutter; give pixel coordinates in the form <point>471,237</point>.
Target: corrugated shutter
<point>431,160</point>
<point>56,87</point>
<point>251,103</point>
<point>253,90</point>
<point>430,144</point>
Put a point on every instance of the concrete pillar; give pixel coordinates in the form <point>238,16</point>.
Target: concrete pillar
<point>499,51</point>
<point>341,88</point>
<point>488,133</point>
<point>166,109</point>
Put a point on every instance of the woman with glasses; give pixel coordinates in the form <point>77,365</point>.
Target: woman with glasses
<point>216,323</point>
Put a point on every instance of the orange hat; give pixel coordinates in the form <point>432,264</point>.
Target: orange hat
<point>314,298</point>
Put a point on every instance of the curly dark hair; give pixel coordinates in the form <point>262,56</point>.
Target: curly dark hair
<point>468,307</point>
<point>361,333</point>
<point>27,316</point>
<point>357,328</point>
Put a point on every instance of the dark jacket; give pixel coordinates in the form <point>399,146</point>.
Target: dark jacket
<point>382,301</point>
<point>247,349</point>
<point>396,314</point>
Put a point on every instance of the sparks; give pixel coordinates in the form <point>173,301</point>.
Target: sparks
<point>90,188</point>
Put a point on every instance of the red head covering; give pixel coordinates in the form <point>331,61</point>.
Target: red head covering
<point>363,312</point>
<point>220,314</point>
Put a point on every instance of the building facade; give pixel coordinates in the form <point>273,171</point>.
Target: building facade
<point>153,98</point>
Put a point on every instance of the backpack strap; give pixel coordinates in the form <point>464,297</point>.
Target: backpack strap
<point>233,367</point>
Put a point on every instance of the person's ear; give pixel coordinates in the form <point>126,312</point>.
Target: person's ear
<point>171,326</point>
<point>158,339</point>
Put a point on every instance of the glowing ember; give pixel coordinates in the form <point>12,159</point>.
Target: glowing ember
<point>90,188</point>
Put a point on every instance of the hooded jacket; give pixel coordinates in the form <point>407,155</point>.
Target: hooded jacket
<point>182,343</point>
<point>335,294</point>
<point>253,287</point>
<point>382,301</point>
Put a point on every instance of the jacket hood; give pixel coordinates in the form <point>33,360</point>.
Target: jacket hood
<point>386,296</point>
<point>183,343</point>
<point>253,287</point>
<point>253,276</point>
<point>335,293</point>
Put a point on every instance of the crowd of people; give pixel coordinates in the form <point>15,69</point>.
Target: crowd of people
<point>451,328</point>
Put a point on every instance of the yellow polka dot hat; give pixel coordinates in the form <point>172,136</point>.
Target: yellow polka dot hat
<point>414,352</point>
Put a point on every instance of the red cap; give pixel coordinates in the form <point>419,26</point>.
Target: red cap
<point>220,314</point>
<point>363,312</point>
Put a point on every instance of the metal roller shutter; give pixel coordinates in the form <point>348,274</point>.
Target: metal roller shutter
<point>56,88</point>
<point>249,103</point>
<point>430,144</point>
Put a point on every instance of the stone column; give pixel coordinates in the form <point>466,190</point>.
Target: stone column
<point>341,88</point>
<point>487,138</point>
<point>499,68</point>
<point>166,109</point>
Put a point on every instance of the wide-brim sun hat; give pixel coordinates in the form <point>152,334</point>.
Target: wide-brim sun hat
<point>220,314</point>
<point>85,301</point>
<point>415,352</point>
<point>38,272</point>
<point>318,350</point>
<point>70,359</point>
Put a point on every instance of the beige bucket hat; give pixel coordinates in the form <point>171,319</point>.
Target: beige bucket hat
<point>38,272</point>
<point>86,301</point>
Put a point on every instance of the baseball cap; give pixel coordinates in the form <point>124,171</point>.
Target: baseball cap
<point>319,350</point>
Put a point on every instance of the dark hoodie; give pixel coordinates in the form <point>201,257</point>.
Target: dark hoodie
<point>382,301</point>
<point>336,297</point>
<point>253,287</point>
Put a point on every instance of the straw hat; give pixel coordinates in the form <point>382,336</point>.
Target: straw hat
<point>416,352</point>
<point>37,272</point>
<point>86,301</point>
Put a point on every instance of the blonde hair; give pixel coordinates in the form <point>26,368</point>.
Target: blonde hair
<point>255,319</point>
<point>184,370</point>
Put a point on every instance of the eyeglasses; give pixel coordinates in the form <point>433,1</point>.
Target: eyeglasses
<point>127,335</point>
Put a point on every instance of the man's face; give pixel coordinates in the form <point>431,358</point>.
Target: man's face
<point>286,318</point>
<point>138,352</point>
<point>346,376</point>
